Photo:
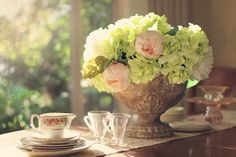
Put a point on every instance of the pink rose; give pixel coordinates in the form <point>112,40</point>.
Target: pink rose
<point>149,44</point>
<point>116,76</point>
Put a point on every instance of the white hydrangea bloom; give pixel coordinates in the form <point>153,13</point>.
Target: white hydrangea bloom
<point>97,44</point>
<point>202,70</point>
<point>194,27</point>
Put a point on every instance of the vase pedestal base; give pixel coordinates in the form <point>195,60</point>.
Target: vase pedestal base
<point>158,131</point>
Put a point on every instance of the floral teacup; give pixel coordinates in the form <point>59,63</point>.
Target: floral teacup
<point>52,125</point>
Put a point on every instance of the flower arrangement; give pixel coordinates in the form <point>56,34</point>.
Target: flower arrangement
<point>137,49</point>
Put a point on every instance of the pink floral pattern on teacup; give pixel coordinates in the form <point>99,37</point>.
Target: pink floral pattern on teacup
<point>55,122</point>
<point>149,44</point>
<point>116,76</point>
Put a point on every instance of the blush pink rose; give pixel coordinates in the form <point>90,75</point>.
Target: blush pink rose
<point>149,44</point>
<point>116,76</point>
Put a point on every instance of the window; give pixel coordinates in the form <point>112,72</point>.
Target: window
<point>95,14</point>
<point>35,57</point>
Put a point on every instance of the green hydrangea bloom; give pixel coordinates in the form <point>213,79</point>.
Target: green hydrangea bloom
<point>99,83</point>
<point>181,52</point>
<point>140,67</point>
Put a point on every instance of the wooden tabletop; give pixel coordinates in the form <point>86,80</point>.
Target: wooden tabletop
<point>217,144</point>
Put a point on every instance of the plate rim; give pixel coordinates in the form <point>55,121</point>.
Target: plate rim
<point>192,129</point>
<point>183,126</point>
<point>44,144</point>
<point>87,145</point>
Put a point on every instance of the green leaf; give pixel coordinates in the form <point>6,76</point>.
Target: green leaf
<point>192,83</point>
<point>173,31</point>
<point>95,67</point>
<point>123,59</point>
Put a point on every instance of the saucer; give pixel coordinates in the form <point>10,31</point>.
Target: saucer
<point>190,126</point>
<point>55,152</point>
<point>175,110</point>
<point>27,141</point>
<point>173,114</point>
<point>68,136</point>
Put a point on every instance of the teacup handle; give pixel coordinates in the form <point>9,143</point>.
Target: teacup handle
<point>88,123</point>
<point>32,120</point>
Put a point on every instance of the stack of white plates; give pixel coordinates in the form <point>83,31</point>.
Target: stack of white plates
<point>173,114</point>
<point>190,126</point>
<point>38,145</point>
